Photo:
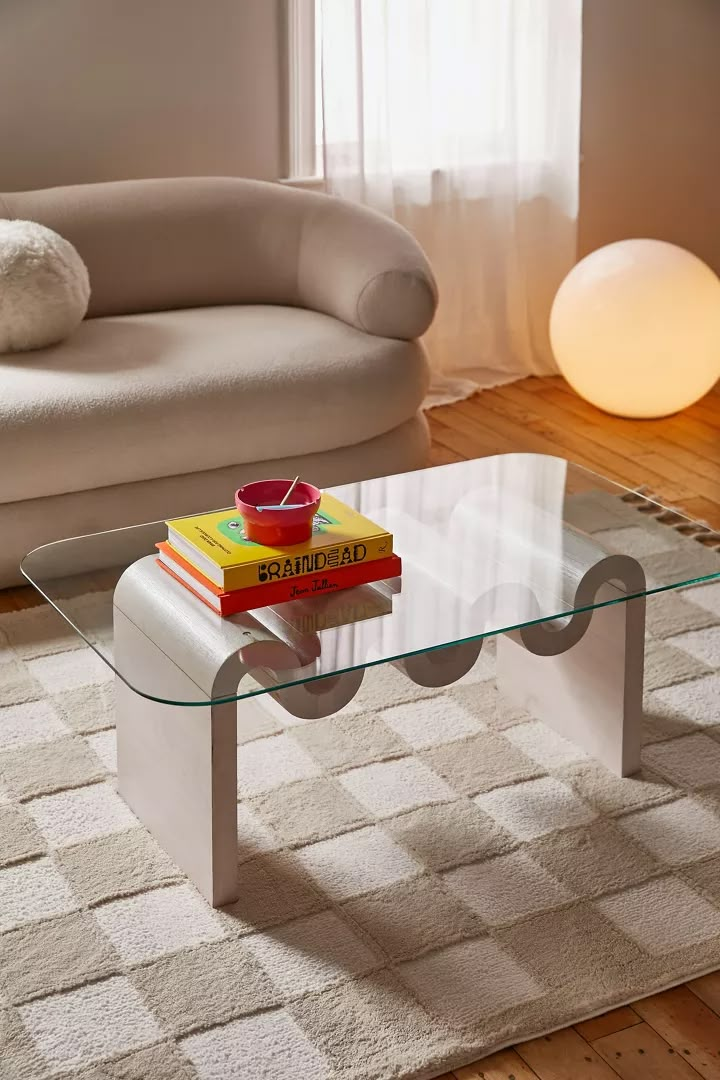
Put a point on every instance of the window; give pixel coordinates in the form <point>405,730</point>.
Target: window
<point>304,87</point>
<point>421,85</point>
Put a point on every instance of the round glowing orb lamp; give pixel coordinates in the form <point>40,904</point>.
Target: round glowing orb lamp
<point>635,328</point>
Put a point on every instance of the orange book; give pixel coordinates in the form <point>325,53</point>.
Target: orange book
<point>320,583</point>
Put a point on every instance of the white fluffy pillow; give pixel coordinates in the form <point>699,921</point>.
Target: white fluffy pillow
<point>44,286</point>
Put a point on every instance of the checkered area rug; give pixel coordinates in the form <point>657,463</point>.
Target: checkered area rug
<point>427,876</point>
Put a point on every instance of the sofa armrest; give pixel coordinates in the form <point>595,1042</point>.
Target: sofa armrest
<point>365,269</point>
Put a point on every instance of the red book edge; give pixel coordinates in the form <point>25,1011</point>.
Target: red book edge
<point>279,592</point>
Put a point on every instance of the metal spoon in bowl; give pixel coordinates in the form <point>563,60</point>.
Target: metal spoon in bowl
<point>283,504</point>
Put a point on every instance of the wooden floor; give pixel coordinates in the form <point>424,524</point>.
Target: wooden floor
<point>678,457</point>
<point>674,1035</point>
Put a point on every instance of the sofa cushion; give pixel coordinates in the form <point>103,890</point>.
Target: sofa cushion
<point>136,397</point>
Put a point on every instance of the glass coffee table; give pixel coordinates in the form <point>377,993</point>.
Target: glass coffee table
<point>552,559</point>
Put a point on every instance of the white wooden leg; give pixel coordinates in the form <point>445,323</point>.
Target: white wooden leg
<point>177,767</point>
<point>585,681</point>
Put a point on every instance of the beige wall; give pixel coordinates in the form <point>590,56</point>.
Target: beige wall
<point>107,89</point>
<point>651,124</point>
<point>111,89</point>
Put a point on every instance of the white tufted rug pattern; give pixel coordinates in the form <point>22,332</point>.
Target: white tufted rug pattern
<point>426,877</point>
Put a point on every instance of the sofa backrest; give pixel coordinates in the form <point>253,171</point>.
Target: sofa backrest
<point>153,245</point>
<point>156,245</point>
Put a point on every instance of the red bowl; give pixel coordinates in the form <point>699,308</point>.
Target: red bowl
<point>277,528</point>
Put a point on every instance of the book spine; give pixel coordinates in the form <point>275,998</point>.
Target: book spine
<point>309,585</point>
<point>321,560</point>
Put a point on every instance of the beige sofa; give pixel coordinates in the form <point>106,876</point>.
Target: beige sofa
<point>236,329</point>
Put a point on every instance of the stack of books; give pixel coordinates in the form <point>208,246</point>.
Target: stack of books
<point>211,556</point>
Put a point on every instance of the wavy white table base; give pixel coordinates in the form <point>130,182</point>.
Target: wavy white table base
<point>586,684</point>
<point>177,765</point>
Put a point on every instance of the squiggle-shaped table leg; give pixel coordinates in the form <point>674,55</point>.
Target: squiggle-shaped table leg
<point>584,678</point>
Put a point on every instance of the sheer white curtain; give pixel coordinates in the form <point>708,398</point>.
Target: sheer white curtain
<point>460,118</point>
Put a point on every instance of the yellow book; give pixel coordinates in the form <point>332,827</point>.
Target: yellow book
<point>216,545</point>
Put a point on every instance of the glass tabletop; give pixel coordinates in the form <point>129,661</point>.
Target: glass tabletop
<point>487,546</point>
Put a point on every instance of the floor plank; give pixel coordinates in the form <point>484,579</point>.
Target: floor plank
<point>509,432</point>
<point>639,1053</point>
<point>678,457</point>
<point>459,437</point>
<point>564,1056</point>
<point>18,599</point>
<point>607,1024</point>
<point>707,988</point>
<point>553,409</point>
<point>667,434</point>
<point>443,455</point>
<point>687,1023</point>
<point>702,510</point>
<point>505,1065</point>
<point>572,444</point>
<point>631,436</point>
